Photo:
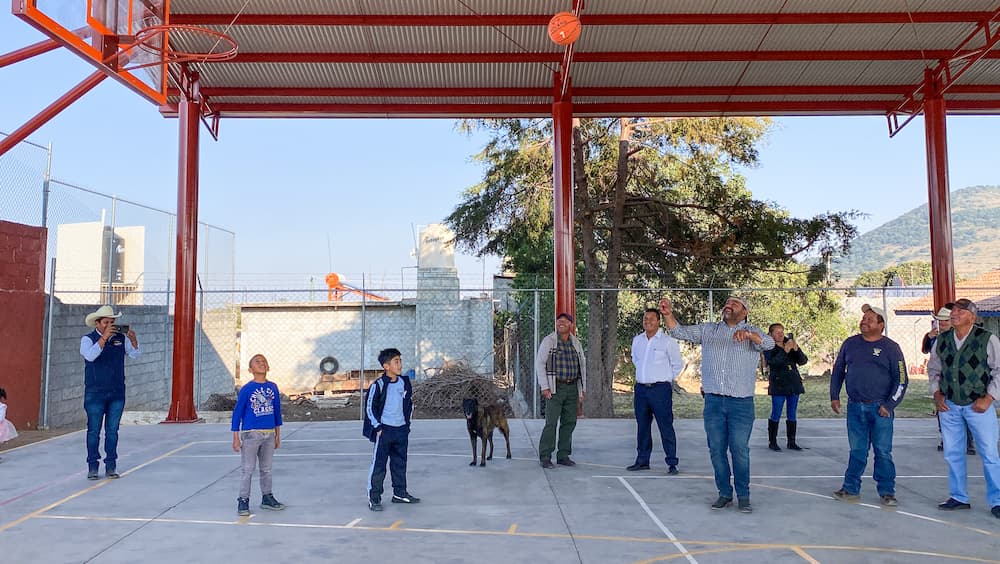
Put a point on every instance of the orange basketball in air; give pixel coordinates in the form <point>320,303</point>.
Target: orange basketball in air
<point>564,28</point>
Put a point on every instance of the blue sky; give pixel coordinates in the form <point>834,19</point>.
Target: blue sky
<point>286,186</point>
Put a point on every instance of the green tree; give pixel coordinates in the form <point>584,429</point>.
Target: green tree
<point>912,273</point>
<point>658,202</point>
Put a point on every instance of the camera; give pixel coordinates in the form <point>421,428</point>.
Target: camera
<point>123,329</point>
<point>789,336</point>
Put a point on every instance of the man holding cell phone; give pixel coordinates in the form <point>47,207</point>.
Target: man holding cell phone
<point>104,350</point>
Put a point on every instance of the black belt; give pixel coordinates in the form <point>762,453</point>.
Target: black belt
<point>650,385</point>
<point>566,380</point>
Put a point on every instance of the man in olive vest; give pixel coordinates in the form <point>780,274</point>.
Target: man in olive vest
<point>964,373</point>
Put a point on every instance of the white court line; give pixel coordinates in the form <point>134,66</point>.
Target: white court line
<point>666,531</point>
<point>362,439</point>
<point>778,477</point>
<point>354,522</point>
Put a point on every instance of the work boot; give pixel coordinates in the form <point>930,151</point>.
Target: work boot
<point>267,501</point>
<point>772,435</point>
<point>790,428</point>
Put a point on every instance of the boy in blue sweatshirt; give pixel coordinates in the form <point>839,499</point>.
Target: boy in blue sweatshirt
<point>873,367</point>
<point>257,433</point>
<point>388,410</point>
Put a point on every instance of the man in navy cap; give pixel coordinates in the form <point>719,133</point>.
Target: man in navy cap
<point>561,372</point>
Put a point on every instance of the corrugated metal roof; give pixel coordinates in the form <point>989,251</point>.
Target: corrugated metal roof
<point>664,57</point>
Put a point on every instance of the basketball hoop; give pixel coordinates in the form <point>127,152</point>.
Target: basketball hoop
<point>155,40</point>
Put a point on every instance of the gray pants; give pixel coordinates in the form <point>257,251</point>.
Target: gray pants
<point>256,445</point>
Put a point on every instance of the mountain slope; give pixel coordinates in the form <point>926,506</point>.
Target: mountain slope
<point>975,237</point>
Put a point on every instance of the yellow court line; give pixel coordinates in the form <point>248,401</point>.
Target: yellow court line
<point>667,557</point>
<point>396,526</point>
<point>243,520</point>
<point>102,483</point>
<point>512,529</point>
<point>805,556</point>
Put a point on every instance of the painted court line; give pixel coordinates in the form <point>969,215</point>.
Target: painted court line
<point>656,520</point>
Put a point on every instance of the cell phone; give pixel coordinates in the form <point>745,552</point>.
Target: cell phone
<point>789,336</point>
<point>935,325</point>
<point>120,328</point>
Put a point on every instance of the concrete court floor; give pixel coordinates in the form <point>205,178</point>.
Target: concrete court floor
<point>176,502</point>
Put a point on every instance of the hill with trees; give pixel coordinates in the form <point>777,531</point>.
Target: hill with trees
<point>975,236</point>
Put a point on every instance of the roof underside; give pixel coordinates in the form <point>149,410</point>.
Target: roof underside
<point>476,58</point>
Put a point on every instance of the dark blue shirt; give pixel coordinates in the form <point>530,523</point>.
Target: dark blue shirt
<point>257,407</point>
<point>875,372</point>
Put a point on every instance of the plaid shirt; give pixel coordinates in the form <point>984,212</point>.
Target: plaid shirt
<point>563,361</point>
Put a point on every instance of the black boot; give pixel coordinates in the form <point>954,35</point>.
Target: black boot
<point>790,428</point>
<point>772,435</point>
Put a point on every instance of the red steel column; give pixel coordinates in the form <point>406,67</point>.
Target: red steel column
<point>939,197</point>
<point>182,409</point>
<point>562,208</point>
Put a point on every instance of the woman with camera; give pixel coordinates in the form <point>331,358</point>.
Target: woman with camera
<point>784,384</point>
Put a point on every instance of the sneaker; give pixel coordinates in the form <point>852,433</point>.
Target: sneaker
<point>547,464</point>
<point>405,498</point>
<point>374,505</point>
<point>971,451</point>
<point>745,507</point>
<point>844,495</point>
<point>672,471</point>
<point>111,472</point>
<point>243,506</point>
<point>996,511</point>
<point>636,467</point>
<point>889,500</point>
<point>722,502</point>
<point>952,504</point>
<point>267,501</point>
<point>940,447</point>
<point>565,462</point>
<point>92,473</point>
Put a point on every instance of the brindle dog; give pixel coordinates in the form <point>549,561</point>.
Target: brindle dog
<point>480,421</point>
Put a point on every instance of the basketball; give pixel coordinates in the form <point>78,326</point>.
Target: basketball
<point>564,28</point>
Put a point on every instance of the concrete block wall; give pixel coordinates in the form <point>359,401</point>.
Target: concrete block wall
<point>148,379</point>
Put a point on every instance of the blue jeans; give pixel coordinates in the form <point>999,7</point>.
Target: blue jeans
<point>867,429</point>
<point>103,408</point>
<point>777,402</point>
<point>984,429</point>
<point>656,401</point>
<point>728,423</point>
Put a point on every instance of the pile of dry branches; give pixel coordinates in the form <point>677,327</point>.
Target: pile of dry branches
<point>441,395</point>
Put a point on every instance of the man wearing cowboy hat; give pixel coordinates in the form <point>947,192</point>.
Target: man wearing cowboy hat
<point>103,351</point>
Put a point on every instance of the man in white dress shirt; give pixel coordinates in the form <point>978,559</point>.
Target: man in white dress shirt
<point>657,360</point>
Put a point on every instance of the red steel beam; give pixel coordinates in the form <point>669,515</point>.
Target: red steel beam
<point>562,208</point>
<point>582,92</point>
<point>594,57</point>
<point>662,19</point>
<point>609,109</point>
<point>182,408</point>
<point>53,109</point>
<point>29,52</point>
<point>939,202</point>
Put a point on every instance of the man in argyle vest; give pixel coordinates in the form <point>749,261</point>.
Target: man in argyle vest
<point>964,374</point>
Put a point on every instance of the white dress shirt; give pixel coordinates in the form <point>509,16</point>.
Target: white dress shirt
<point>657,358</point>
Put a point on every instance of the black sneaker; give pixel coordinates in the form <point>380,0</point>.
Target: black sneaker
<point>672,471</point>
<point>243,506</point>
<point>267,501</point>
<point>952,504</point>
<point>405,498</point>
<point>111,472</point>
<point>744,505</point>
<point>636,467</point>
<point>374,505</point>
<point>722,502</point>
<point>565,462</point>
<point>996,511</point>
<point>547,464</point>
<point>92,473</point>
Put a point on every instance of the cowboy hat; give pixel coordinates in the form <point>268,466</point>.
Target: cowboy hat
<point>103,311</point>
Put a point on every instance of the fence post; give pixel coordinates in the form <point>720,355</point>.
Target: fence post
<point>111,252</point>
<point>48,348</point>
<point>885,308</point>
<point>711,300</point>
<point>364,336</point>
<point>46,188</point>
<point>200,328</point>
<point>531,374</point>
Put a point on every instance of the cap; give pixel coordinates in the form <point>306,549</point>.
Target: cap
<point>967,305</point>
<point>740,300</point>
<point>568,316</point>
<point>943,314</point>
<point>878,311</point>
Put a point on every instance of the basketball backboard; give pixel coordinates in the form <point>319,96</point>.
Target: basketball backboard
<point>92,29</point>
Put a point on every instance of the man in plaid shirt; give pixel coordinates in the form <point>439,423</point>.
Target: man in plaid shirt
<point>561,372</point>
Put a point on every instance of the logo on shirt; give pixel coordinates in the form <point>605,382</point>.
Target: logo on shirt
<point>876,352</point>
<point>262,402</point>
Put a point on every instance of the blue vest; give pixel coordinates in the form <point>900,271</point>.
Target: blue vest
<point>106,373</point>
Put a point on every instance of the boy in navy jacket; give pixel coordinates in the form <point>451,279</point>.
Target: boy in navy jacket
<point>257,433</point>
<point>388,410</point>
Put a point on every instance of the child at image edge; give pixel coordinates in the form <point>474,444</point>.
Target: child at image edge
<point>257,433</point>
<point>7,430</point>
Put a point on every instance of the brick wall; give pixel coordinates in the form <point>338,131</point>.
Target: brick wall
<point>22,301</point>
